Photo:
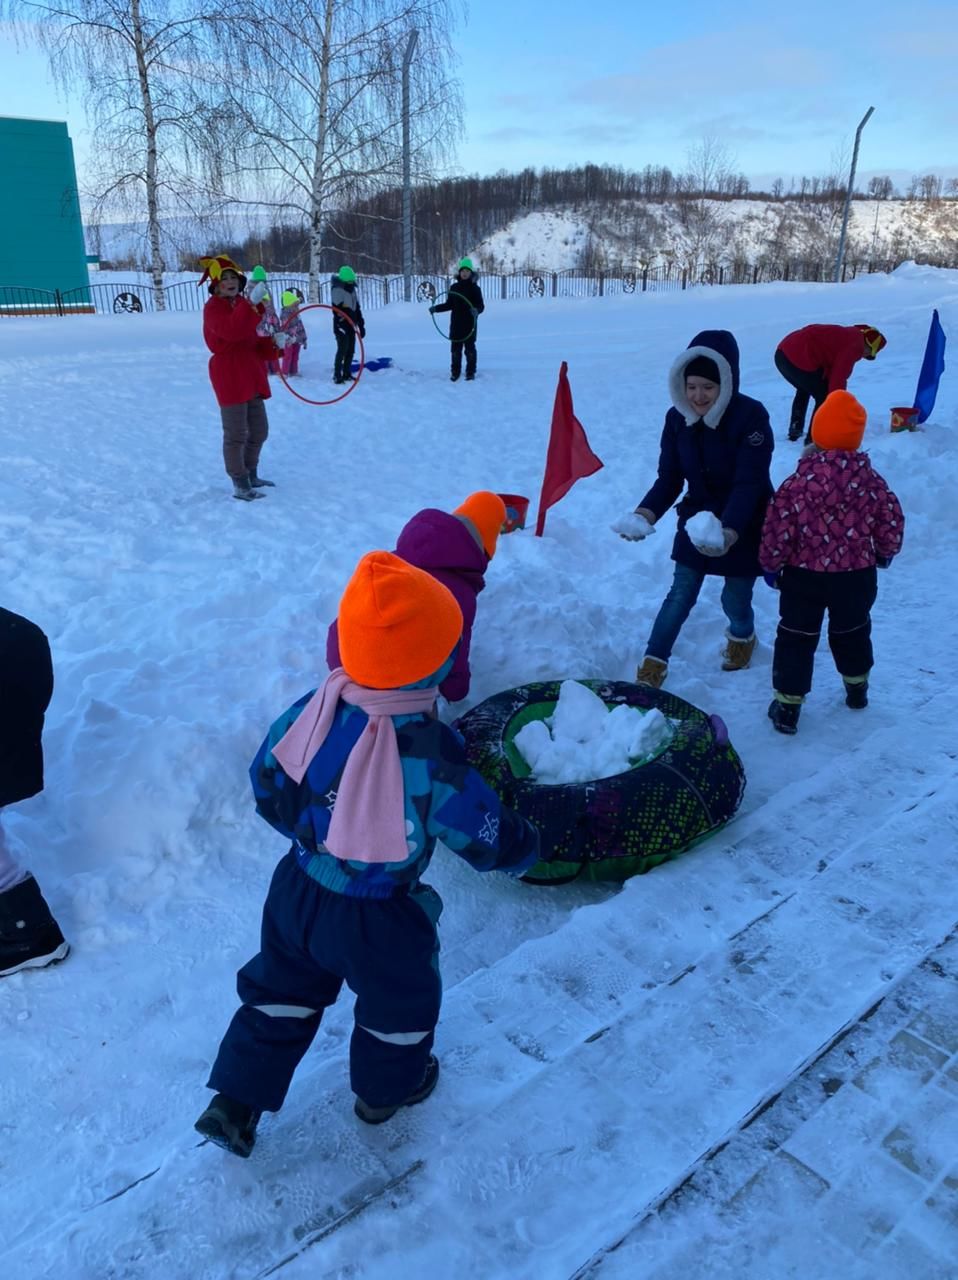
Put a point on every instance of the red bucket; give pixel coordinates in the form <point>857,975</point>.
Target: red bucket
<point>517,508</point>
<point>904,419</point>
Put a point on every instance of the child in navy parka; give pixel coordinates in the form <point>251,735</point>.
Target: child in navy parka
<point>363,779</point>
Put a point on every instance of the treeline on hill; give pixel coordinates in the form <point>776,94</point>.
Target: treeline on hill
<point>452,214</point>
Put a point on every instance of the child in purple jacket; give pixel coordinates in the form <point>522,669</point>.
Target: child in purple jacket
<point>826,529</point>
<point>455,550</point>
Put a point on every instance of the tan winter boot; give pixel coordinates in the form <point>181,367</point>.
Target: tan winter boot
<point>652,672</point>
<point>738,653</point>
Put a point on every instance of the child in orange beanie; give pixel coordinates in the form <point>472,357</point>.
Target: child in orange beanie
<point>826,529</point>
<point>363,779</point>
<point>456,550</point>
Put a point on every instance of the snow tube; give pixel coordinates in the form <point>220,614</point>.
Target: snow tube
<point>617,827</point>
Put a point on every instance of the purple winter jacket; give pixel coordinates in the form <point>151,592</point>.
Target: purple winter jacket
<point>446,548</point>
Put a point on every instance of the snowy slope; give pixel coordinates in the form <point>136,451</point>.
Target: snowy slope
<point>596,1044</point>
<point>647,232</point>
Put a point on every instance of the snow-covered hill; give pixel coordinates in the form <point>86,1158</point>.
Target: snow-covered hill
<point>635,233</point>
<point>626,234</point>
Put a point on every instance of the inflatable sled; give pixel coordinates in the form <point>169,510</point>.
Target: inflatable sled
<point>372,366</point>
<point>620,826</point>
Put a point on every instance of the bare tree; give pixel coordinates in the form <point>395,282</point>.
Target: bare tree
<point>315,95</point>
<point>881,188</point>
<point>137,63</point>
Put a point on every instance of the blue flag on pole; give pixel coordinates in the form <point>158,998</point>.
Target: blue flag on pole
<point>932,367</point>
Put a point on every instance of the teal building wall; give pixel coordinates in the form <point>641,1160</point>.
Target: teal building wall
<point>41,233</point>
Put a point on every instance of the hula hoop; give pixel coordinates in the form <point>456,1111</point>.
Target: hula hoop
<point>324,306</point>
<point>450,293</point>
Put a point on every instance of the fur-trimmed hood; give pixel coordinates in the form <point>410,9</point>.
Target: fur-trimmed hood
<point>718,345</point>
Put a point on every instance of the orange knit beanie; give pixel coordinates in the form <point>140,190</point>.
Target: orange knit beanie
<point>397,624</point>
<point>487,512</point>
<point>839,423</point>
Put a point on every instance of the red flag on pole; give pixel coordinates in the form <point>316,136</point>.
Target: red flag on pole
<point>569,457</point>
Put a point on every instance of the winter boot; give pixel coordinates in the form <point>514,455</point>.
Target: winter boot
<point>856,694</point>
<point>652,672</point>
<point>243,489</point>
<point>230,1124</point>
<point>258,482</point>
<point>795,431</point>
<point>30,938</point>
<point>784,715</point>
<point>454,376</point>
<point>376,1115</point>
<point>470,377</point>
<point>738,653</point>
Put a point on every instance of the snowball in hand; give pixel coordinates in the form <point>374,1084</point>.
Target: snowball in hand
<point>633,526</point>
<point>705,530</point>
<point>584,740</point>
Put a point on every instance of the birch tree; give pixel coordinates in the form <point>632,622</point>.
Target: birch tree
<point>138,64</point>
<point>315,97</point>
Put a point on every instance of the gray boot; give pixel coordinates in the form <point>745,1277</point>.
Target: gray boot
<point>258,482</point>
<point>243,490</point>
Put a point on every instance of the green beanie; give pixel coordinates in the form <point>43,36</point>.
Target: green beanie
<point>289,298</point>
<point>347,275</point>
<point>463,263</point>
<point>258,274</point>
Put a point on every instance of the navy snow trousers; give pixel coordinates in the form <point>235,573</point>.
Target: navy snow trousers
<point>312,941</point>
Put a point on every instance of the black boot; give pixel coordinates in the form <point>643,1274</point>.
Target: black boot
<point>784,715</point>
<point>230,1124</point>
<point>856,695</point>
<point>243,489</point>
<point>258,482</point>
<point>454,375</point>
<point>30,938</point>
<point>376,1115</point>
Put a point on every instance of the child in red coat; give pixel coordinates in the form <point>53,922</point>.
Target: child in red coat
<point>238,371</point>
<point>827,528</point>
<point>819,359</point>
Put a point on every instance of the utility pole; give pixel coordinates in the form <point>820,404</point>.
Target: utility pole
<point>406,178</point>
<point>848,196</point>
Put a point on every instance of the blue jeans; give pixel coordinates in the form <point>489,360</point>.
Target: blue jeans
<point>677,605</point>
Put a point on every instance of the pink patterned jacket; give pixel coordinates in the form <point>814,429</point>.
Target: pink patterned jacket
<point>835,514</point>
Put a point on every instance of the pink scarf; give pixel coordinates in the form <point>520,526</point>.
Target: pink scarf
<point>368,822</point>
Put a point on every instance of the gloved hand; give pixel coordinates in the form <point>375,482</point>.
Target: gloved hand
<point>774,580</point>
<point>633,527</point>
<point>883,562</point>
<point>432,311</point>
<point>280,340</point>
<point>729,539</point>
<point>258,293</point>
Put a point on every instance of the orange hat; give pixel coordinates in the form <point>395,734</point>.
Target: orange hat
<point>839,422</point>
<point>487,512</point>
<point>873,340</point>
<point>397,624</point>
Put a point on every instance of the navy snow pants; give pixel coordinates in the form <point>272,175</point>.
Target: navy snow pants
<point>312,941</point>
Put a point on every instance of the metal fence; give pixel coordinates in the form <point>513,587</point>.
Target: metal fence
<point>380,291</point>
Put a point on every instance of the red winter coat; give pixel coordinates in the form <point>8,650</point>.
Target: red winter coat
<point>831,349</point>
<point>237,368</point>
<point>835,514</point>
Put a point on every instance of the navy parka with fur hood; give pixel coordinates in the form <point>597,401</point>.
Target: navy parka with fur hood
<point>723,459</point>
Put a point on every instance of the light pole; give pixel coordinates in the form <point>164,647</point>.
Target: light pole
<point>848,196</point>
<point>406,179</point>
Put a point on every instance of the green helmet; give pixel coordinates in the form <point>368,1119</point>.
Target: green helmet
<point>347,275</point>
<point>466,263</point>
<point>258,274</point>
<point>289,298</point>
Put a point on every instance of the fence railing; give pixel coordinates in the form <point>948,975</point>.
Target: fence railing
<point>380,291</point>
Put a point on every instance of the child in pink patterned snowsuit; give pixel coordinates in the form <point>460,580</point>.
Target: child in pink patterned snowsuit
<point>295,332</point>
<point>827,528</point>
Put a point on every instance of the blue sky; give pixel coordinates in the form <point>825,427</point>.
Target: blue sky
<point>636,82</point>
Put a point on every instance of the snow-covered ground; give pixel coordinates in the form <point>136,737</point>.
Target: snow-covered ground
<point>598,1044</point>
